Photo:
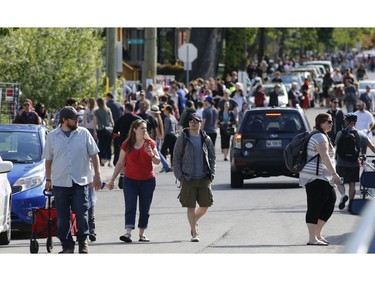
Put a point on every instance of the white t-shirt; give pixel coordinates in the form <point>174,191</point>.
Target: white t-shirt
<point>200,112</point>
<point>308,173</point>
<point>88,118</point>
<point>364,119</point>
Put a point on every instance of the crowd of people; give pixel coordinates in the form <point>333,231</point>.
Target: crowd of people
<point>167,125</point>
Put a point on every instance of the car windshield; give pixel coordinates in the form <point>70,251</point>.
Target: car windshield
<point>20,147</point>
<point>284,122</point>
<point>269,90</point>
<point>362,85</point>
<point>289,78</point>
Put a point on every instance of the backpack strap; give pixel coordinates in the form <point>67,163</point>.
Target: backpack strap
<point>317,155</point>
<point>317,162</point>
<point>358,141</point>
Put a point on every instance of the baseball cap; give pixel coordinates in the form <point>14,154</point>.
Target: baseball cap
<point>209,99</point>
<point>351,117</point>
<point>110,96</point>
<point>195,116</point>
<point>68,112</point>
<point>27,101</point>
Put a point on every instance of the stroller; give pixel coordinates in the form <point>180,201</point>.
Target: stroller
<point>367,184</point>
<point>44,225</point>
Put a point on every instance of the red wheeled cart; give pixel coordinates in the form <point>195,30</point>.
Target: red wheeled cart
<point>44,225</point>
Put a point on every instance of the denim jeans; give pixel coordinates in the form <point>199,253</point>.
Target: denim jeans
<point>162,158</point>
<point>71,199</point>
<point>134,190</point>
<point>91,211</point>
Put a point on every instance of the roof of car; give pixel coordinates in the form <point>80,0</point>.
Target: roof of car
<point>20,127</point>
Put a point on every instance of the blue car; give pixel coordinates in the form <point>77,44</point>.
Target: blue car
<point>23,145</point>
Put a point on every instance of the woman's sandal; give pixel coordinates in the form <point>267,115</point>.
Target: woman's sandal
<point>143,238</point>
<point>317,243</point>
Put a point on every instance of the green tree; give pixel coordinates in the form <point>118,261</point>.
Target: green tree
<point>237,42</point>
<point>51,64</point>
<point>346,38</point>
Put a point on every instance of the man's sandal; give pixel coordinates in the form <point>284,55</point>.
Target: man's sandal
<point>126,238</point>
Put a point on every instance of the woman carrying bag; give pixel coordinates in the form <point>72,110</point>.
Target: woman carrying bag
<point>226,120</point>
<point>103,129</point>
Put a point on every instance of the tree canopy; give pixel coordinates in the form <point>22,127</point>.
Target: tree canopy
<point>51,64</point>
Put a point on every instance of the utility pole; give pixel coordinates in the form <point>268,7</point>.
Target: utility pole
<point>111,58</point>
<point>150,59</point>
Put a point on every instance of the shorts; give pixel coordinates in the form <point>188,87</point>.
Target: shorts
<point>350,174</point>
<point>194,191</point>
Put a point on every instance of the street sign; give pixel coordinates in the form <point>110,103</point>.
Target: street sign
<point>136,41</point>
<point>187,53</point>
<point>9,94</point>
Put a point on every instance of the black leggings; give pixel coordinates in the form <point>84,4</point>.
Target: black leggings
<point>321,199</point>
<point>168,146</point>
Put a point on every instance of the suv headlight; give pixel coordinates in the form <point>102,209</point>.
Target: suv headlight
<point>30,181</point>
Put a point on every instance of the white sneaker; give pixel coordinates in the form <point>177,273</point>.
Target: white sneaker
<point>195,238</point>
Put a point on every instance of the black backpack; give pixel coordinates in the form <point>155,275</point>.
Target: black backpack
<point>348,145</point>
<point>295,153</point>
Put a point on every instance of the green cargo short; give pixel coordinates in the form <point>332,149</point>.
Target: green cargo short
<point>194,191</point>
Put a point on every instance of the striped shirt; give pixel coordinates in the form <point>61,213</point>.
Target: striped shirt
<point>308,173</point>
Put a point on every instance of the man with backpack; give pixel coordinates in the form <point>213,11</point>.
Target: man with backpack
<point>350,144</point>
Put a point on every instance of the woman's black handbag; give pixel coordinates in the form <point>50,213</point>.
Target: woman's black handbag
<point>230,131</point>
<point>121,181</point>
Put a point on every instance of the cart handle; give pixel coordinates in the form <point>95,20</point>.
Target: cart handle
<point>47,193</point>
<point>364,157</point>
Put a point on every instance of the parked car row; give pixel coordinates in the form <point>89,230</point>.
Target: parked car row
<point>313,71</point>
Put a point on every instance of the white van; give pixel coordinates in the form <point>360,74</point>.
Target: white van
<point>326,63</point>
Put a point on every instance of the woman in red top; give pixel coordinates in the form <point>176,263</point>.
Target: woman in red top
<point>137,156</point>
<point>305,94</point>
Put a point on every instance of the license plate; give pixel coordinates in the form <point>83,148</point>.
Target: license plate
<point>273,143</point>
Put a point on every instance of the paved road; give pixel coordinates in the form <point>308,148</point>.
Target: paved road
<point>266,216</point>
